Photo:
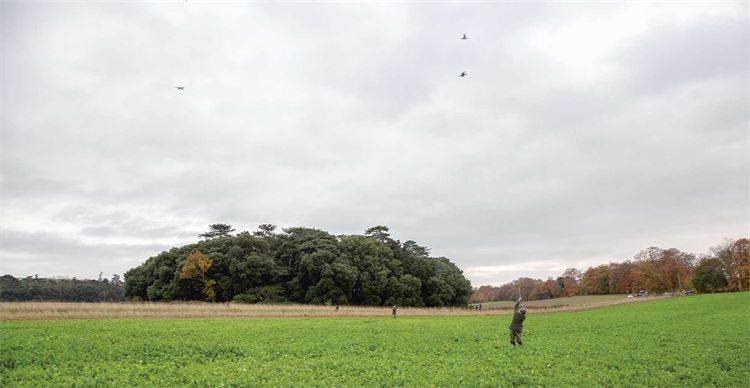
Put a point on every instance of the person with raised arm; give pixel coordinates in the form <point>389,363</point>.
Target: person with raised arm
<point>516,325</point>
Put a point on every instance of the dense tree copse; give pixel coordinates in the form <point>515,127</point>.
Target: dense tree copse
<point>303,265</point>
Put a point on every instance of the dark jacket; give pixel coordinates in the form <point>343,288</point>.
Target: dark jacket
<point>518,317</point>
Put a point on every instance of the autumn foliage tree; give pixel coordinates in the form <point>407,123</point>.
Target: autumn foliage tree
<point>735,260</point>
<point>676,268</point>
<point>596,280</point>
<point>195,267</point>
<point>548,289</point>
<point>490,293</point>
<point>621,277</point>
<point>655,270</point>
<point>741,264</point>
<point>531,289</point>
<point>569,280</point>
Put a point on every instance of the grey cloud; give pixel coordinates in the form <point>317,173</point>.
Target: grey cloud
<point>125,226</point>
<point>342,117</point>
<point>51,255</point>
<point>674,56</point>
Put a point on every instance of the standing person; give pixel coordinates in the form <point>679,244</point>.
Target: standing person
<point>516,325</point>
<point>337,308</point>
<point>394,311</point>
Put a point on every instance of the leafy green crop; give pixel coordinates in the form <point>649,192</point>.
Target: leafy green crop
<point>691,341</point>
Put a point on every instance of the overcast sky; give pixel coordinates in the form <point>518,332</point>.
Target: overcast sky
<point>583,132</point>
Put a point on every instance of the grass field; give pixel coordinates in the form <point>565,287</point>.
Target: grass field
<point>688,341</point>
<point>63,310</point>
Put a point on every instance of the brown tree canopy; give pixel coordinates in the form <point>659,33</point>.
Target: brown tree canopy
<point>735,258</point>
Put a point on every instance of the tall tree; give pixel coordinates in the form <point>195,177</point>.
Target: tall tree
<point>415,250</point>
<point>378,232</point>
<point>709,275</point>
<point>596,280</point>
<point>547,290</point>
<point>526,287</point>
<point>265,230</point>
<point>738,265</point>
<point>621,277</point>
<point>569,281</point>
<point>195,267</point>
<point>217,231</point>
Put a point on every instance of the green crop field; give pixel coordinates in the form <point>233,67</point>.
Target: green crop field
<point>687,341</point>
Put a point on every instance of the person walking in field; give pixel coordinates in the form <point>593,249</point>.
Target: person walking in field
<point>516,325</point>
<point>394,311</point>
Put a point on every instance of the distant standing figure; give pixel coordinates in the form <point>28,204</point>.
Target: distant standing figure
<point>516,326</point>
<point>337,308</point>
<point>394,311</point>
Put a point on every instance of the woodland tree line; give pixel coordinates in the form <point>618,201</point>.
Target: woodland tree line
<point>300,265</point>
<point>655,270</point>
<point>34,288</point>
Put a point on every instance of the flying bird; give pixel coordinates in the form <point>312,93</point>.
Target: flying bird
<point>464,37</point>
<point>463,74</point>
<point>180,87</point>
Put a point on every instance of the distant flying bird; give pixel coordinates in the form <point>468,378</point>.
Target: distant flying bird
<point>180,87</point>
<point>465,37</point>
<point>463,74</point>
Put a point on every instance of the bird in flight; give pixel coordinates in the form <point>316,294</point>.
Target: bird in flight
<point>463,74</point>
<point>179,87</point>
<point>465,37</point>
